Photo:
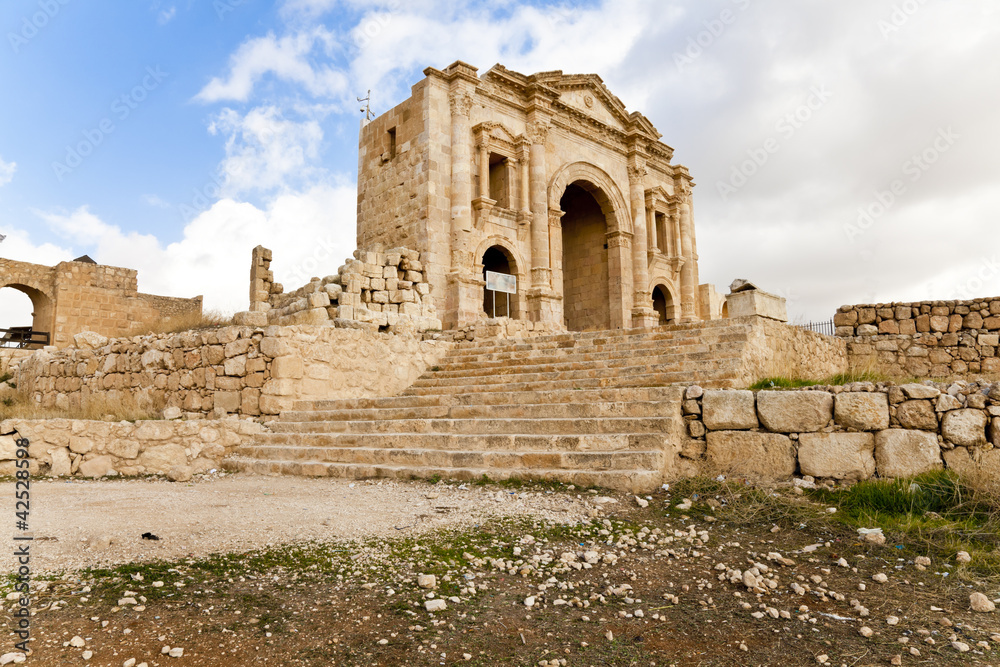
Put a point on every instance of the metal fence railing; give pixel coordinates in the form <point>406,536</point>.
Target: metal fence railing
<point>820,327</point>
<point>21,337</point>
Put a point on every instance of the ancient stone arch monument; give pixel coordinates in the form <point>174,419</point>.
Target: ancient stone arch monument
<point>82,295</point>
<point>550,171</point>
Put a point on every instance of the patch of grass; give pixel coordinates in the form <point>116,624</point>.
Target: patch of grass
<point>209,319</point>
<point>111,406</point>
<point>942,512</point>
<point>781,383</point>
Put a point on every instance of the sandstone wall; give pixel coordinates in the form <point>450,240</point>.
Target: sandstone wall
<point>927,339</point>
<point>10,358</point>
<point>71,447</point>
<point>846,433</point>
<point>379,291</point>
<point>231,370</point>
<point>776,349</point>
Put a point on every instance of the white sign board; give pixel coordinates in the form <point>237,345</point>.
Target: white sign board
<point>501,282</point>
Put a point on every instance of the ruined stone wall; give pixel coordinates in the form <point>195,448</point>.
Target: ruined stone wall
<point>382,291</point>
<point>10,359</point>
<point>926,339</point>
<point>232,370</point>
<point>849,432</point>
<point>83,448</point>
<point>776,349</point>
<point>79,296</point>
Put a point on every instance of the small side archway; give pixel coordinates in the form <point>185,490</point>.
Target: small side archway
<point>499,256</point>
<point>665,301</point>
<point>40,320</point>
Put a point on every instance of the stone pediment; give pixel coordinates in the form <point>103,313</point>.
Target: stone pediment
<point>497,133</point>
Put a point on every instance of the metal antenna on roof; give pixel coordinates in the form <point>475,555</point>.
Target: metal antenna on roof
<point>367,109</point>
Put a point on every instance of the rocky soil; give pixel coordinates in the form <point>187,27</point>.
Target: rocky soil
<point>505,576</point>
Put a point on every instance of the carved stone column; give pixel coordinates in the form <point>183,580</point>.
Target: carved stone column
<point>643,315</point>
<point>689,287</point>
<point>463,292</point>
<point>538,132</point>
<point>543,303</point>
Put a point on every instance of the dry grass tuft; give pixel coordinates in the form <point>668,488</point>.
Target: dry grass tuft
<point>209,319</point>
<point>103,407</point>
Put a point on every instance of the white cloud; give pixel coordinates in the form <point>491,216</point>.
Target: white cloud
<point>166,15</point>
<point>311,233</point>
<point>156,201</point>
<point>264,151</point>
<point>7,170</point>
<point>291,58</point>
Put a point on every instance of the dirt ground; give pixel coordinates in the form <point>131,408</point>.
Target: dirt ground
<point>541,578</point>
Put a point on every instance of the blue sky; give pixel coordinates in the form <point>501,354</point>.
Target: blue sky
<point>844,152</point>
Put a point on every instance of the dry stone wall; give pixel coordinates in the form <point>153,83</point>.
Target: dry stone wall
<point>82,448</point>
<point>926,339</point>
<point>849,432</point>
<point>246,371</point>
<point>776,349</point>
<point>379,291</point>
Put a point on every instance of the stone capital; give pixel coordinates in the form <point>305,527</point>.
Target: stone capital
<point>619,240</point>
<point>538,132</point>
<point>637,172</point>
<point>461,103</point>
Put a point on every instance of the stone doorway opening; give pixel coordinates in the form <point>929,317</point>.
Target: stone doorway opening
<point>27,318</point>
<point>499,304</point>
<point>663,304</point>
<point>586,298</point>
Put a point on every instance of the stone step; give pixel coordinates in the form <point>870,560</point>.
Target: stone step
<point>536,426</point>
<point>583,337</point>
<point>498,398</point>
<point>471,442</point>
<point>632,481</point>
<point>596,372</point>
<point>617,359</point>
<point>511,350</point>
<point>553,410</point>
<point>421,456</point>
<point>712,378</point>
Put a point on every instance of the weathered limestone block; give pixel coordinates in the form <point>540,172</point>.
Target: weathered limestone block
<point>994,434</point>
<point>837,455</point>
<point>914,390</point>
<point>153,430</point>
<point>966,428</point>
<point>904,453</point>
<point>947,402</point>
<point>862,411</point>
<point>80,444</point>
<point>8,448</point>
<point>974,463</point>
<point>89,340</point>
<point>99,466</point>
<point>794,411</point>
<point>729,410</point>
<point>917,415</point>
<point>290,366</point>
<point>162,458</point>
<point>123,449</point>
<point>236,366</point>
<point>61,463</point>
<point>228,401</point>
<point>765,456</point>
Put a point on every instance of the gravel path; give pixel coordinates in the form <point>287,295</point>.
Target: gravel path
<point>73,521</point>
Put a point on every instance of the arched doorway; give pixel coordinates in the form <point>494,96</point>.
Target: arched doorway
<point>499,303</point>
<point>586,298</point>
<point>24,309</point>
<point>663,304</point>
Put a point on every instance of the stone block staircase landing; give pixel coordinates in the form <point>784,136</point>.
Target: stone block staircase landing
<point>594,408</point>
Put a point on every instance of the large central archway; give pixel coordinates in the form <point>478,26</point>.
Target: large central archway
<point>586,301</point>
<point>591,257</point>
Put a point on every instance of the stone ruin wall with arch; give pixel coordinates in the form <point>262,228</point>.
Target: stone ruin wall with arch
<point>77,296</point>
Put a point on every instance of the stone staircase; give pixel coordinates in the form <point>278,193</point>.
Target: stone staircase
<point>593,408</point>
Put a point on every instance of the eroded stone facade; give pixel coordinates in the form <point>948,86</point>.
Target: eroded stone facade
<point>545,177</point>
<point>76,296</point>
